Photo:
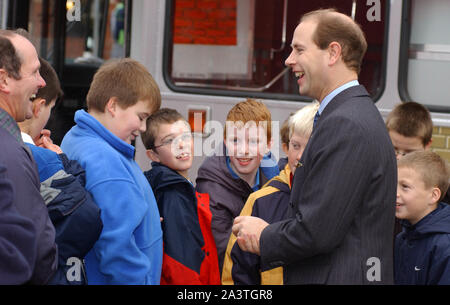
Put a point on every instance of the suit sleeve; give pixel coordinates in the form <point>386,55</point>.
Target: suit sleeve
<point>17,239</point>
<point>335,177</point>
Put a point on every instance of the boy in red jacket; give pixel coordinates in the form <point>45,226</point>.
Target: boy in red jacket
<point>190,255</point>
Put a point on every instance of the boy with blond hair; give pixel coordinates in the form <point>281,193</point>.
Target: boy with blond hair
<point>270,203</point>
<point>190,255</point>
<point>242,166</point>
<point>422,249</point>
<point>122,96</point>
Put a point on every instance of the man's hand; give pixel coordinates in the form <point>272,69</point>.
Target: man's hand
<point>248,231</point>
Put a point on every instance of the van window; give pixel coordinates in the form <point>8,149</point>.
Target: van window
<point>425,54</point>
<point>231,47</point>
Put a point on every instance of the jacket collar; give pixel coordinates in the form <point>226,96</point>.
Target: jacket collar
<point>86,121</point>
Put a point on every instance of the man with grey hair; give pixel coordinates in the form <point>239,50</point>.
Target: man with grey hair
<point>19,82</point>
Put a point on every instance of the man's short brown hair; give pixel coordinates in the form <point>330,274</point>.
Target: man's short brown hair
<point>125,79</point>
<point>430,166</point>
<point>333,26</point>
<point>251,110</point>
<point>411,119</point>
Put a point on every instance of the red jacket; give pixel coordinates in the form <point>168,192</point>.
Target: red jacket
<point>190,255</point>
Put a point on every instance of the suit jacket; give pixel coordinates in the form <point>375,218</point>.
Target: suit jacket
<point>342,204</point>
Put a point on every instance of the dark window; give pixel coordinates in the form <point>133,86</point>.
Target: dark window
<point>238,48</point>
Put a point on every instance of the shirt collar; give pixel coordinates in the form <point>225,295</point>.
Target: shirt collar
<point>335,92</point>
<point>10,125</point>
<point>27,138</point>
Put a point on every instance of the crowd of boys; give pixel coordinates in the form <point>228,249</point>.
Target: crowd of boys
<point>89,199</point>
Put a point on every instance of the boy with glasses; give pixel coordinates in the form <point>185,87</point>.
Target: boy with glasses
<point>190,255</point>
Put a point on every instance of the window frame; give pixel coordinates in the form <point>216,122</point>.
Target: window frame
<point>405,35</point>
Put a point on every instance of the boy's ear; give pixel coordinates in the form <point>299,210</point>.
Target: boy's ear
<point>152,155</point>
<point>436,195</point>
<point>37,106</point>
<point>111,106</point>
<point>427,147</point>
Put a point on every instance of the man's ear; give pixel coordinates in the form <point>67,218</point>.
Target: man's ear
<point>37,106</point>
<point>334,51</point>
<point>4,81</point>
<point>152,155</point>
<point>111,106</point>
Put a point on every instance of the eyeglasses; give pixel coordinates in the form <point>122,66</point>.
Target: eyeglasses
<point>404,153</point>
<point>400,153</point>
<point>185,137</point>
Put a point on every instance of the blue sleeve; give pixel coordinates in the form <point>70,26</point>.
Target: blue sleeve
<point>439,273</point>
<point>47,161</point>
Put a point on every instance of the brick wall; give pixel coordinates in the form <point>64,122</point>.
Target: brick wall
<point>441,142</point>
<point>211,22</point>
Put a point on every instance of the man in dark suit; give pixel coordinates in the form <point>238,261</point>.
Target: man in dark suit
<point>342,205</point>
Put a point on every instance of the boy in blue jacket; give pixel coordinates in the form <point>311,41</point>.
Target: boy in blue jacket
<point>422,249</point>
<point>190,255</point>
<point>122,96</point>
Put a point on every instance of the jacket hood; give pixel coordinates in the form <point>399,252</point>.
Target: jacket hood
<point>437,221</point>
<point>160,176</point>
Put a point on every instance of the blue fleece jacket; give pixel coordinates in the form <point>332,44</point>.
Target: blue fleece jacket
<point>129,250</point>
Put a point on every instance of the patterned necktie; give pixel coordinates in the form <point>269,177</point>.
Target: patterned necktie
<point>316,117</point>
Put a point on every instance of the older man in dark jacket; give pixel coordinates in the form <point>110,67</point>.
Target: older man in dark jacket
<point>19,81</point>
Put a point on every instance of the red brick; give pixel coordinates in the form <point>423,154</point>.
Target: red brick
<point>182,22</point>
<point>182,39</point>
<point>205,25</point>
<point>228,4</point>
<point>226,41</point>
<point>195,14</point>
<point>180,4</point>
<point>218,14</point>
<point>207,4</point>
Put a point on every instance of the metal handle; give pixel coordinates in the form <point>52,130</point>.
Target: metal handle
<point>249,89</point>
<point>283,31</point>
